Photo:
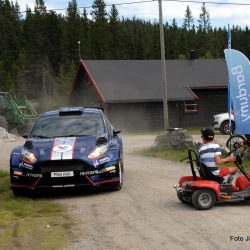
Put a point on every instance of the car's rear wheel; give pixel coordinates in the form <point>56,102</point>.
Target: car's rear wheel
<point>226,129</point>
<point>203,199</point>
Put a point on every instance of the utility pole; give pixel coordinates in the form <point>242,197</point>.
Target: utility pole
<point>45,101</point>
<point>79,47</point>
<point>163,69</point>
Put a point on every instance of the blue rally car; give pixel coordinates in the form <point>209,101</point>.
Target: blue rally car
<point>69,147</point>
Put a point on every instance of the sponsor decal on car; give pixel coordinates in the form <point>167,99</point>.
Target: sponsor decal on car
<point>26,165</point>
<point>93,172</point>
<point>18,173</point>
<point>111,168</point>
<point>34,175</point>
<point>104,160</point>
<point>90,172</point>
<point>82,150</point>
<point>42,151</point>
<point>63,148</point>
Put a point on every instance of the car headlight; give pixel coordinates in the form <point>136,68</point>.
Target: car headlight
<point>98,152</point>
<point>28,156</point>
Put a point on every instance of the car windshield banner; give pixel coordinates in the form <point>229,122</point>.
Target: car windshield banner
<point>239,78</point>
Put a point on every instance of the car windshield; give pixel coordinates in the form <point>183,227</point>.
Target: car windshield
<point>63,126</point>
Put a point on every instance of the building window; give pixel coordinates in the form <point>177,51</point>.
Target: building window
<point>191,106</point>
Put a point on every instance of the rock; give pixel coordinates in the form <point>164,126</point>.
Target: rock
<point>174,138</point>
<point>5,136</point>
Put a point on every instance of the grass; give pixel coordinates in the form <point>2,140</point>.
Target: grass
<point>167,154</point>
<point>178,155</point>
<point>26,223</point>
<point>191,130</point>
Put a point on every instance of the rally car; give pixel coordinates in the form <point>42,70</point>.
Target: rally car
<point>69,147</point>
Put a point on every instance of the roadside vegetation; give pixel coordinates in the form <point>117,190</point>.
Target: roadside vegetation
<point>177,155</point>
<point>180,154</point>
<point>167,154</point>
<point>27,223</point>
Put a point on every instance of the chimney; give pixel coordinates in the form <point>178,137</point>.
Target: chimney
<point>192,55</point>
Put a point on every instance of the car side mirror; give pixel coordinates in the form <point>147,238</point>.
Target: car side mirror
<point>116,131</point>
<point>101,140</point>
<point>25,136</point>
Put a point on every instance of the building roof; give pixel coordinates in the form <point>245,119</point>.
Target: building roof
<point>140,80</point>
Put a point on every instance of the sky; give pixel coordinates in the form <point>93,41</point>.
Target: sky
<point>220,15</point>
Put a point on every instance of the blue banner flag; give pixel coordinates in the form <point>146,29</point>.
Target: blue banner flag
<point>238,67</point>
<point>229,106</point>
<point>229,37</point>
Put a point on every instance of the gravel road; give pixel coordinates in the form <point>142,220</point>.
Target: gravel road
<point>146,213</point>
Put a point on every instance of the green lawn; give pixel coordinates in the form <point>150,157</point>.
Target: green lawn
<point>177,155</point>
<point>27,223</point>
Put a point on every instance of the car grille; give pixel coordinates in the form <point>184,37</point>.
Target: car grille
<point>62,165</point>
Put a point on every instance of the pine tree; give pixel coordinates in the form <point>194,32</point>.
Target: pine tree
<point>99,13</point>
<point>40,7</point>
<point>204,20</point>
<point>53,40</point>
<point>204,34</point>
<point>85,47</point>
<point>115,33</point>
<point>73,31</point>
<point>99,31</point>
<point>188,20</point>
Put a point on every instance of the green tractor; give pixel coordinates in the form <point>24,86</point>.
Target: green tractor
<point>13,115</point>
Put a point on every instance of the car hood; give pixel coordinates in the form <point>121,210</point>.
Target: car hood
<point>62,148</point>
<point>223,116</point>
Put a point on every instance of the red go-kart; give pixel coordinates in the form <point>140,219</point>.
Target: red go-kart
<point>205,190</point>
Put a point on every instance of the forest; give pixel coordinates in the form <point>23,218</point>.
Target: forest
<point>39,49</point>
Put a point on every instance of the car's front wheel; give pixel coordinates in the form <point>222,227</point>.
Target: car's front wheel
<point>226,129</point>
<point>203,199</point>
<point>18,192</point>
<point>118,186</point>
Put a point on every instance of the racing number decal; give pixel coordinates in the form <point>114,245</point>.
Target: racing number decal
<point>63,148</point>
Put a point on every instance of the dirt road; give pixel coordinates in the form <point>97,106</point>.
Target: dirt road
<point>146,213</point>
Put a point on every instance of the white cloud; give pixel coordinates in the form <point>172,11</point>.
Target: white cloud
<point>219,14</point>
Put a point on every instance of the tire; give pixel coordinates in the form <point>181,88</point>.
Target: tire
<point>3,122</point>
<point>225,128</point>
<point>118,186</point>
<point>18,192</point>
<point>203,199</point>
<point>180,197</point>
<point>237,142</point>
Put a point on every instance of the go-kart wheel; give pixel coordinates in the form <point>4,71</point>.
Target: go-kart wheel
<point>180,197</point>
<point>237,142</point>
<point>203,199</point>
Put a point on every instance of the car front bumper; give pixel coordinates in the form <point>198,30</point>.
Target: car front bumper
<point>62,176</point>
